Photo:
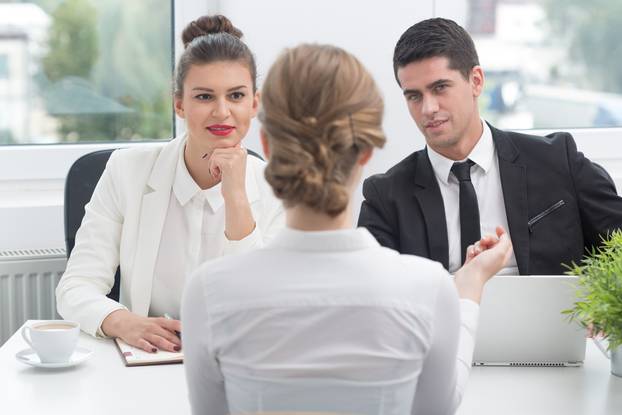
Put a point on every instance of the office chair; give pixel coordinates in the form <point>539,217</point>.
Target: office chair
<point>79,186</point>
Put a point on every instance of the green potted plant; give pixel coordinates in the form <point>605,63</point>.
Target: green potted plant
<point>599,294</point>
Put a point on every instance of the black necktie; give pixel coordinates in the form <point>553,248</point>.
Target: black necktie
<point>469,211</point>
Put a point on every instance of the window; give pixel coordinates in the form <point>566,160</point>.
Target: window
<point>85,71</point>
<point>4,66</point>
<point>549,63</point>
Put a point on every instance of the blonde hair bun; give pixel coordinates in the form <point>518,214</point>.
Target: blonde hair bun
<point>320,110</point>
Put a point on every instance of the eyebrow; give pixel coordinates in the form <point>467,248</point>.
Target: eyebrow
<point>429,86</point>
<point>200,88</point>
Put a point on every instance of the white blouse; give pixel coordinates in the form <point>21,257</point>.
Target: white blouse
<point>130,215</point>
<point>194,231</point>
<point>326,322</point>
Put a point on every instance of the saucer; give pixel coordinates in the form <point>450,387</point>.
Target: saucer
<point>29,357</point>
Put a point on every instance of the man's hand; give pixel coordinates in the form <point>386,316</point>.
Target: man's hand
<point>146,333</point>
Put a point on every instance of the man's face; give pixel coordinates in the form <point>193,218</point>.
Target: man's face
<point>443,104</point>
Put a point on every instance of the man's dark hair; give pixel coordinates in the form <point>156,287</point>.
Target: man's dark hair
<point>436,37</point>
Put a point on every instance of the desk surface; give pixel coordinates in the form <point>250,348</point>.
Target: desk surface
<point>100,385</point>
<point>586,390</point>
<point>103,385</point>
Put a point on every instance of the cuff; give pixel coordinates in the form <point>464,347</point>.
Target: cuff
<point>251,241</point>
<point>469,315</point>
<point>100,333</point>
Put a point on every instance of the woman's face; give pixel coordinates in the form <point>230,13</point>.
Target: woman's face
<point>218,104</point>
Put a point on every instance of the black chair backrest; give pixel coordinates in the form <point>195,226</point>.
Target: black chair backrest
<point>252,153</point>
<point>81,181</point>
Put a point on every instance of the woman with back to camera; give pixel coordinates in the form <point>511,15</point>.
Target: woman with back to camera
<point>324,319</point>
<point>159,211</point>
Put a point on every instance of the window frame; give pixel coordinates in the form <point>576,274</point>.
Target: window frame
<point>52,161</point>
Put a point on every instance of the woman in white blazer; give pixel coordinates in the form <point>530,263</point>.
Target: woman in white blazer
<point>159,211</point>
<point>323,319</point>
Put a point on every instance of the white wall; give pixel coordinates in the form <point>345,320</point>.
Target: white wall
<point>367,29</point>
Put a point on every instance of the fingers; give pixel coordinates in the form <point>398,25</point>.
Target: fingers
<point>470,253</point>
<point>497,249</point>
<point>164,341</point>
<point>144,345</point>
<point>488,242</point>
<point>474,250</point>
<point>151,334</point>
<point>170,324</point>
<point>226,159</point>
<point>592,333</point>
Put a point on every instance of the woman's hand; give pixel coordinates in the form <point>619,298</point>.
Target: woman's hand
<point>594,333</point>
<point>228,165</point>
<point>483,260</point>
<point>146,333</point>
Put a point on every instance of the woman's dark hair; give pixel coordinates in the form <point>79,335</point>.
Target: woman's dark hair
<point>436,37</point>
<point>212,39</point>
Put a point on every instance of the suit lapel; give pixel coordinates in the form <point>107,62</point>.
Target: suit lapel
<point>153,211</point>
<point>430,200</point>
<point>514,184</point>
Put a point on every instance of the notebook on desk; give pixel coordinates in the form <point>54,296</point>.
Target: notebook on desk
<point>133,356</point>
<point>521,323</point>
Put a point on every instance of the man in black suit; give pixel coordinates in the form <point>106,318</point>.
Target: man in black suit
<point>472,177</point>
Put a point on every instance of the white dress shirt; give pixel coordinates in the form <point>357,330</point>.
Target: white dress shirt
<point>194,231</point>
<point>487,183</point>
<point>328,322</point>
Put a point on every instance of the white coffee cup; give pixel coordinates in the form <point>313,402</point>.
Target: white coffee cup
<point>54,341</point>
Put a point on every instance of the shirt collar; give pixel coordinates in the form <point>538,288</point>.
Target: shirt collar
<point>324,241</point>
<point>213,196</point>
<point>184,186</point>
<point>482,155</point>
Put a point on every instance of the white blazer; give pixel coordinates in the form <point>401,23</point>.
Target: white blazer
<point>122,226</point>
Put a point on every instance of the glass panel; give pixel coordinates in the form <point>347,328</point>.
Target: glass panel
<point>85,70</point>
<point>549,63</point>
<point>4,66</point>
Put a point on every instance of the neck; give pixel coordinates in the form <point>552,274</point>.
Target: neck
<point>198,167</point>
<point>466,143</point>
<point>305,219</point>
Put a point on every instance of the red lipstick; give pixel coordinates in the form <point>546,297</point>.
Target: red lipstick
<point>222,130</point>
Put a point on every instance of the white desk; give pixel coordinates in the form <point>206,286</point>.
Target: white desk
<point>100,385</point>
<point>587,390</point>
<point>103,385</point>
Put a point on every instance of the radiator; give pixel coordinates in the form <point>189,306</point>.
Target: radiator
<point>28,278</point>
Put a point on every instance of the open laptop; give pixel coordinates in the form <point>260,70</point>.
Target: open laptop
<point>521,323</point>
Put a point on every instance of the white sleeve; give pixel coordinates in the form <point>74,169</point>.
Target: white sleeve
<point>448,363</point>
<point>89,275</point>
<point>269,220</point>
<point>266,227</point>
<point>206,386</point>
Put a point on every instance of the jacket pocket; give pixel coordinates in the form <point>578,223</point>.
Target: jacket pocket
<point>532,222</point>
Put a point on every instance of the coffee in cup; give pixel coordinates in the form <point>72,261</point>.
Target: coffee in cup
<point>54,341</point>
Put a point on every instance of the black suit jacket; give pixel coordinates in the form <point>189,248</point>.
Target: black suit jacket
<point>557,202</point>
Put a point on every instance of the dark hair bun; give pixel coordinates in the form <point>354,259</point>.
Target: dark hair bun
<point>206,25</point>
